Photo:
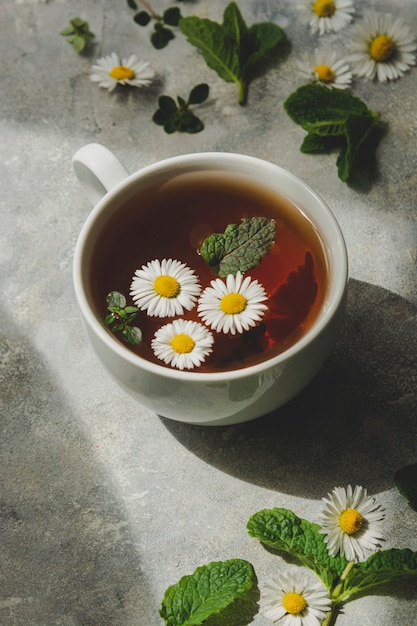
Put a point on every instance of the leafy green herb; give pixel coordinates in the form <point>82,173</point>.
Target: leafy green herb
<point>332,118</point>
<point>223,593</point>
<point>241,247</point>
<point>78,34</point>
<point>162,32</point>
<point>178,117</point>
<point>237,53</point>
<point>406,482</point>
<point>282,530</point>
<point>121,316</point>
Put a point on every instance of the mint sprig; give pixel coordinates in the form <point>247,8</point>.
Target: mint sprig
<point>332,118</point>
<point>122,316</point>
<point>162,32</point>
<point>78,34</point>
<point>237,53</point>
<point>223,593</point>
<point>282,530</point>
<point>240,248</point>
<point>177,116</point>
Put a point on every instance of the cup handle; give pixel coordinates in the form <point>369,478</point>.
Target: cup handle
<point>98,170</point>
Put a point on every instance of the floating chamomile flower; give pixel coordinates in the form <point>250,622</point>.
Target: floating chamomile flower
<point>110,71</point>
<point>352,523</point>
<point>327,16</point>
<point>382,47</point>
<point>324,67</point>
<point>293,600</point>
<point>232,306</point>
<point>165,288</point>
<point>183,344</point>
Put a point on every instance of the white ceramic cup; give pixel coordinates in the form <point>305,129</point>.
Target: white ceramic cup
<point>228,397</point>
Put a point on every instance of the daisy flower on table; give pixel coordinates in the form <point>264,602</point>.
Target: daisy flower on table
<point>352,523</point>
<point>324,67</point>
<point>165,288</point>
<point>183,344</point>
<point>382,47</point>
<point>327,16</point>
<point>234,305</point>
<point>293,600</point>
<point>111,71</point>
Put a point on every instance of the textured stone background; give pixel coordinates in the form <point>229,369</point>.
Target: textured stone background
<point>102,503</point>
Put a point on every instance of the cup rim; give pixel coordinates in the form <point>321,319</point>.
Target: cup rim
<point>334,298</point>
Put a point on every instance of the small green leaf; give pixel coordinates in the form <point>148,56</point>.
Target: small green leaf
<point>171,125</point>
<point>172,16</point>
<point>241,247</point>
<point>198,94</point>
<point>109,319</point>
<point>382,567</point>
<point>132,334</point>
<point>78,43</point>
<point>194,125</point>
<point>131,309</point>
<point>116,299</point>
<point>132,4</point>
<point>167,105</point>
<point>182,103</point>
<point>67,31</point>
<point>406,482</point>
<point>161,37</point>
<point>223,593</point>
<point>142,18</point>
<point>282,530</point>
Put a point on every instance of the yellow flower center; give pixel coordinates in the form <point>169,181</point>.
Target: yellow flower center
<point>324,73</point>
<point>350,521</point>
<point>182,343</point>
<point>382,48</point>
<point>233,303</point>
<point>294,603</point>
<point>324,8</point>
<point>166,286</point>
<point>120,72</point>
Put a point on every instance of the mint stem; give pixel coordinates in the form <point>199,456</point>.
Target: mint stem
<point>243,92</point>
<point>331,616</point>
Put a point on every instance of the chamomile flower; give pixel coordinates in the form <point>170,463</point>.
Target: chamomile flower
<point>293,600</point>
<point>352,523</point>
<point>111,71</point>
<point>165,288</point>
<point>183,344</point>
<point>382,47</point>
<point>327,16</point>
<point>324,67</point>
<point>234,305</point>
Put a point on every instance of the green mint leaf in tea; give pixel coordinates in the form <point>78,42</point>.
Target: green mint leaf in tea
<point>241,247</point>
<point>406,482</point>
<point>121,316</point>
<point>333,118</point>
<point>223,593</point>
<point>233,50</point>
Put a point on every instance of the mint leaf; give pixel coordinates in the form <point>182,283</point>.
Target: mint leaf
<point>282,530</point>
<point>223,593</point>
<point>240,248</point>
<point>232,49</point>
<point>382,567</point>
<point>329,114</point>
<point>406,482</point>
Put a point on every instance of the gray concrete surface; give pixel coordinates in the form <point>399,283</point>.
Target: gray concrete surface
<point>104,504</point>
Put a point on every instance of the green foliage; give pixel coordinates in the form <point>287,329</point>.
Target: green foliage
<point>162,28</point>
<point>240,248</point>
<point>178,117</point>
<point>332,118</point>
<point>282,530</point>
<point>121,316</point>
<point>223,593</point>
<point>78,34</point>
<point>406,482</point>
<point>233,50</point>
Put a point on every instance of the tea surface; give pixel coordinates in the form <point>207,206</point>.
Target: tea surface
<point>171,220</point>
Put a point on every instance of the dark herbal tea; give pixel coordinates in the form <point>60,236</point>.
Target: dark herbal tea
<point>172,219</point>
